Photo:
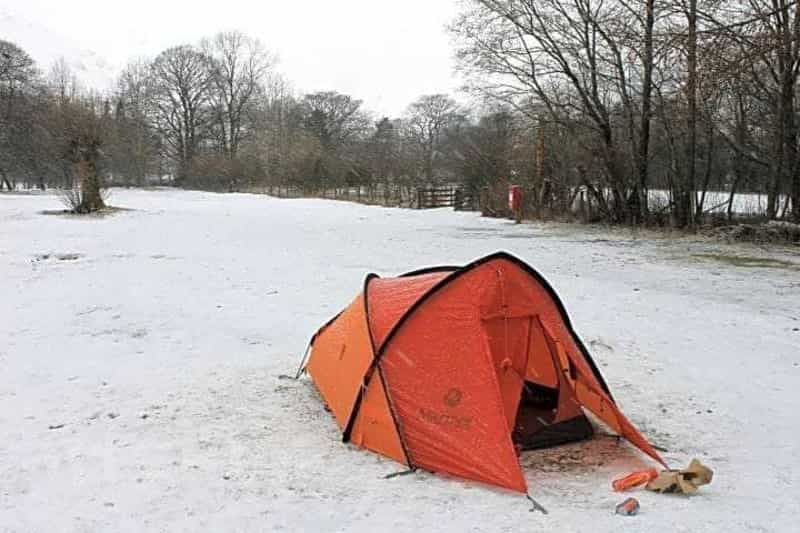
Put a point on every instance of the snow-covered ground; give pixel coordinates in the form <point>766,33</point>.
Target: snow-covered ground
<point>140,355</point>
<point>749,204</point>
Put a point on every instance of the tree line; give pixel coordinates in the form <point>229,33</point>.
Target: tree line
<point>216,115</point>
<point>630,111</point>
<point>630,97</point>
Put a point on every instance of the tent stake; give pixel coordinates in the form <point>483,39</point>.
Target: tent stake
<point>536,506</point>
<point>400,473</point>
<point>301,369</point>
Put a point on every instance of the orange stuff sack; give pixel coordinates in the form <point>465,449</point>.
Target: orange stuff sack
<point>634,479</point>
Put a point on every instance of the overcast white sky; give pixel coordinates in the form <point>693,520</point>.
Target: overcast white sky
<point>386,52</point>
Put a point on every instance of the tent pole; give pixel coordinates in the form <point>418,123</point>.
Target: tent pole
<point>302,368</point>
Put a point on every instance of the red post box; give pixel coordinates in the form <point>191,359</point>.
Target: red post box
<point>515,201</point>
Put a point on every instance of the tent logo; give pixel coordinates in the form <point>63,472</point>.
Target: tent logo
<point>440,419</point>
<point>453,397</point>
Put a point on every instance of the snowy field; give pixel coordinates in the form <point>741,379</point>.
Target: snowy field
<point>749,204</point>
<point>140,355</point>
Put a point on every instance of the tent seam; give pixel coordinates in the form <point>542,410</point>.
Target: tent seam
<point>366,380</point>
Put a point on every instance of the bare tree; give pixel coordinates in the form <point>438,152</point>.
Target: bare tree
<point>280,136</point>
<point>568,59</point>
<point>133,145</point>
<point>181,95</point>
<point>63,82</point>
<point>84,142</point>
<point>426,121</point>
<point>238,66</point>
<point>644,12</point>
<point>760,60</point>
<point>384,151</point>
<point>17,74</point>
<point>486,151</point>
<point>778,30</point>
<point>335,122</point>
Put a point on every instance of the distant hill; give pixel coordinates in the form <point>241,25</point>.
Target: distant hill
<point>46,47</point>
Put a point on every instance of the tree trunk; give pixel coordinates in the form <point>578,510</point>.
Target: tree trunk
<point>647,91</point>
<point>708,173</point>
<point>786,147</point>
<point>739,161</point>
<point>686,215</point>
<point>734,185</point>
<point>91,196</point>
<point>784,170</point>
<point>5,181</point>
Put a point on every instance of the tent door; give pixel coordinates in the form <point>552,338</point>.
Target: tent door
<point>539,423</point>
<point>549,416</point>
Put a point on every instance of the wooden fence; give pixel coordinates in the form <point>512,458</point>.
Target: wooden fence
<point>390,196</point>
<point>433,197</point>
<point>455,197</point>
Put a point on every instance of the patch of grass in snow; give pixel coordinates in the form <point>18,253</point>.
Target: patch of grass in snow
<point>57,257</point>
<point>749,261</point>
<point>105,212</point>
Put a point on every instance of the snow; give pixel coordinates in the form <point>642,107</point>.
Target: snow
<point>749,204</point>
<point>156,337</point>
<point>746,204</point>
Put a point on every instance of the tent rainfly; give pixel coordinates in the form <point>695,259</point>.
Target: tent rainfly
<point>455,370</point>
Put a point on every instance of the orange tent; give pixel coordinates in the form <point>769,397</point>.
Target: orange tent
<point>454,370</point>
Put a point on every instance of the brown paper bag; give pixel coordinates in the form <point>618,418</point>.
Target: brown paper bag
<point>683,481</point>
